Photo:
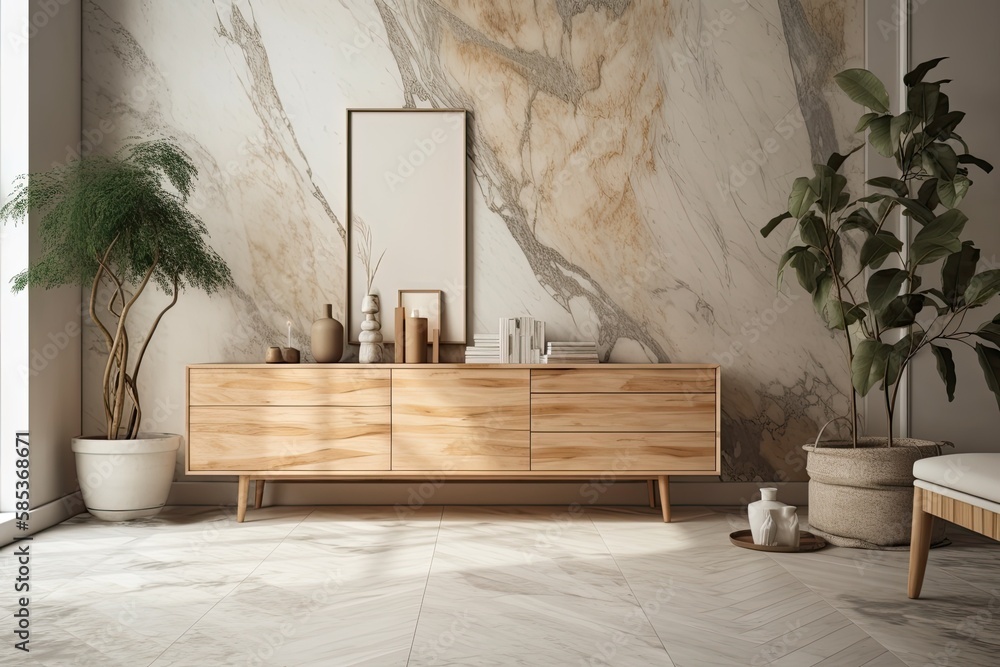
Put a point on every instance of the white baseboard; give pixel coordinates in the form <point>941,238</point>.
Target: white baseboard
<point>43,517</point>
<point>433,492</point>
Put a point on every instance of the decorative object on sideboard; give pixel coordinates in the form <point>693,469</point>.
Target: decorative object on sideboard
<point>416,338</point>
<point>137,231</point>
<point>757,512</point>
<point>371,336</point>
<point>768,530</point>
<point>327,338</point>
<point>435,346</point>
<point>806,542</point>
<point>861,489</point>
<point>571,352</point>
<point>290,355</point>
<point>428,302</point>
<point>273,355</point>
<point>407,171</point>
<point>484,350</point>
<point>521,340</point>
<point>788,526</point>
<point>399,351</point>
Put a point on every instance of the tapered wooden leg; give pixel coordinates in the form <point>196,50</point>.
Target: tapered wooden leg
<point>651,489</point>
<point>258,494</point>
<point>920,544</point>
<point>241,498</point>
<point>665,497</point>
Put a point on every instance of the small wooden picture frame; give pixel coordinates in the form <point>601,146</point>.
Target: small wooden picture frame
<point>427,303</point>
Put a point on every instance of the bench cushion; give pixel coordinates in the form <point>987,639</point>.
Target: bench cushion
<point>971,474</point>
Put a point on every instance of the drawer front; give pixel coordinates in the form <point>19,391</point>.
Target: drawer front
<point>460,419</point>
<point>289,438</point>
<point>604,379</point>
<point>289,386</point>
<point>623,452</point>
<point>613,413</point>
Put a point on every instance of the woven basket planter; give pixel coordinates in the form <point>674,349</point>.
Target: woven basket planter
<point>863,497</point>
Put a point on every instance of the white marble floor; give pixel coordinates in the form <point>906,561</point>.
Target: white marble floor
<point>485,586</point>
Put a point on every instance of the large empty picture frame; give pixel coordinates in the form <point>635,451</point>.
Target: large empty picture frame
<point>406,186</point>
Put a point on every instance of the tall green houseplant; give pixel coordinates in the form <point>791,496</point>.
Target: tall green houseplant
<point>115,224</point>
<point>877,297</point>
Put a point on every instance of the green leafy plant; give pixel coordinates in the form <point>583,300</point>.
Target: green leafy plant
<point>116,224</point>
<point>874,296</point>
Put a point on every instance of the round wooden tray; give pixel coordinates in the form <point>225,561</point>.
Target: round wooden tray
<point>807,542</point>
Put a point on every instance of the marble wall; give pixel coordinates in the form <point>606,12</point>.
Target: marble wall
<point>624,155</point>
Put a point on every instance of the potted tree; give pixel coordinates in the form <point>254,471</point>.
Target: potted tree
<point>117,225</point>
<point>890,303</point>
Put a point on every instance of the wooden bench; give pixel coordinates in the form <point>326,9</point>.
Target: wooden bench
<point>960,488</point>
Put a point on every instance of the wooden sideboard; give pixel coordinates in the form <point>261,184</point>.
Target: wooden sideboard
<point>458,421</point>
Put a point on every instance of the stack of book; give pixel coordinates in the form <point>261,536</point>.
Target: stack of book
<point>485,350</point>
<point>521,340</point>
<point>564,352</point>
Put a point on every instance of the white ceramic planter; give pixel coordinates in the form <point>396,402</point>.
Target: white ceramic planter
<point>126,479</point>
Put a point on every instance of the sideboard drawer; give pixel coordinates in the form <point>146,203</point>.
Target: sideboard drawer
<point>289,438</point>
<point>460,419</point>
<point>289,386</point>
<point>622,452</point>
<point>611,380</point>
<point>612,413</point>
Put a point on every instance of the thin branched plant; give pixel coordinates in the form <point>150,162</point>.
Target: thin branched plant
<point>365,251</point>
<point>115,224</point>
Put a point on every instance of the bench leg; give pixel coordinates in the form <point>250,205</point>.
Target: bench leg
<point>241,498</point>
<point>665,497</point>
<point>920,544</point>
<point>258,494</point>
<point>651,489</point>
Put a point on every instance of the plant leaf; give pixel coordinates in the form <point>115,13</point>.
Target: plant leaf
<point>965,158</point>
<point>943,124</point>
<point>869,365</point>
<point>951,193</point>
<point>938,238</point>
<point>786,257</point>
<point>883,287</point>
<point>774,222</point>
<point>946,369</point>
<point>801,198</point>
<point>866,120</point>
<point>864,88</point>
<point>808,268</point>
<point>940,160</point>
<point>812,231</point>
<point>989,361</point>
<point>877,247</point>
<point>956,272</point>
<point>902,311</point>
<point>982,287</point>
<point>878,136</point>
<point>836,161</point>
<point>989,332</point>
<point>899,357</point>
<point>922,100</point>
<point>894,184</point>
<point>828,185</point>
<point>860,218</point>
<point>917,74</point>
<point>927,195</point>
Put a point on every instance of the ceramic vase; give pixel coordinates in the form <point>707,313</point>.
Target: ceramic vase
<point>757,511</point>
<point>788,527</point>
<point>769,529</point>
<point>327,338</point>
<point>371,336</point>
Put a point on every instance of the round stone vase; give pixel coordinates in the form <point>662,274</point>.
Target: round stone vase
<point>327,338</point>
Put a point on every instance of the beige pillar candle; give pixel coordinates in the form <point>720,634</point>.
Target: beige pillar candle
<point>416,339</point>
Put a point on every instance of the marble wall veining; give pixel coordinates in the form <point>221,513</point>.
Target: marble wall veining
<point>623,153</point>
